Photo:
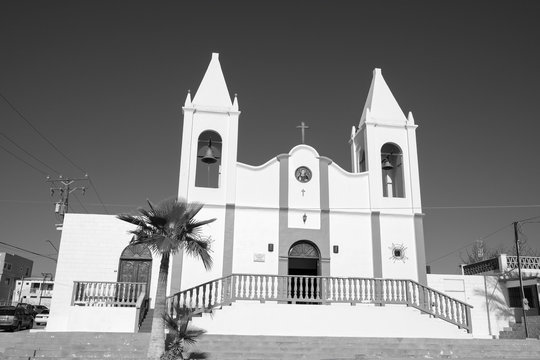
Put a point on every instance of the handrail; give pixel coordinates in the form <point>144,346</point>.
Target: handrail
<point>142,308</point>
<point>321,290</point>
<point>101,293</point>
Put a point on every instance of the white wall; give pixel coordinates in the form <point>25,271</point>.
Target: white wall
<point>398,229</point>
<point>490,313</point>
<point>254,318</point>
<point>258,186</point>
<point>254,230</point>
<point>352,233</point>
<point>90,249</point>
<point>193,271</point>
<point>101,319</point>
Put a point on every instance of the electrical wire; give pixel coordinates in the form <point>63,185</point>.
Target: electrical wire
<point>24,161</point>
<point>466,246</point>
<point>53,146</point>
<point>39,132</point>
<point>28,251</point>
<point>97,193</point>
<point>28,153</point>
<point>80,203</point>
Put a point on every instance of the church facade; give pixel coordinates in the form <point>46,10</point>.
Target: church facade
<point>300,213</point>
<point>295,232</point>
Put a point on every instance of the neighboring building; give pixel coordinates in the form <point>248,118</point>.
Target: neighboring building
<point>12,268</point>
<point>34,290</point>
<point>505,269</point>
<point>296,231</point>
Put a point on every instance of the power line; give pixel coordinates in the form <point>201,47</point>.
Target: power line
<point>80,203</point>
<point>24,161</point>
<point>29,154</point>
<point>466,246</point>
<point>39,132</point>
<point>99,197</point>
<point>53,146</point>
<point>28,251</point>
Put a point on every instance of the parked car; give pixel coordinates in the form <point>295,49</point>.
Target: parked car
<point>15,318</point>
<point>40,308</point>
<point>42,317</point>
<point>28,307</point>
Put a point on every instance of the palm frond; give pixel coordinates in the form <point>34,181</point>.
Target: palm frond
<point>170,322</point>
<point>135,220</point>
<point>197,355</point>
<point>199,249</point>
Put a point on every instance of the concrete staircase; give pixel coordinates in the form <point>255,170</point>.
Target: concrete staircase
<point>86,346</point>
<point>517,330</point>
<point>75,345</point>
<point>146,325</point>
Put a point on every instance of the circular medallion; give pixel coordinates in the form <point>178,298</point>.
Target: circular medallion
<point>302,174</point>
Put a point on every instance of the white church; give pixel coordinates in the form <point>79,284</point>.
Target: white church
<point>301,246</point>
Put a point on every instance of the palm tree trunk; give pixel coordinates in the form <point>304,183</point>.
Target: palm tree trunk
<point>156,347</point>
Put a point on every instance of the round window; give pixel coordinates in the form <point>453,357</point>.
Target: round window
<point>303,174</point>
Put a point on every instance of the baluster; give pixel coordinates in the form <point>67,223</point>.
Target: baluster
<point>347,289</point>
<point>289,288</point>
<point>364,289</point>
<point>241,286</point>
<point>251,288</point>
<point>453,311</point>
<point>270,283</point>
<point>446,307</point>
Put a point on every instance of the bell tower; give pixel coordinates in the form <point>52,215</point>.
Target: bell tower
<point>384,146</point>
<point>209,141</point>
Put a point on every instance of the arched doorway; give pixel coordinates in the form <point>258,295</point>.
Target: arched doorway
<point>303,259</point>
<point>303,267</point>
<point>135,265</point>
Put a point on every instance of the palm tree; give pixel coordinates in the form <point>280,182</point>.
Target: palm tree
<point>182,334</point>
<point>166,229</point>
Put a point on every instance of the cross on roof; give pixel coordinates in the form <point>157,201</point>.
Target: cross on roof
<point>303,127</point>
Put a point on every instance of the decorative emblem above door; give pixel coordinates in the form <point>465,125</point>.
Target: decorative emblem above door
<point>302,174</point>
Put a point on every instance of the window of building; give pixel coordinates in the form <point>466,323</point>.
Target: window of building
<point>27,272</point>
<point>208,160</point>
<point>8,281</point>
<point>514,296</point>
<point>7,266</point>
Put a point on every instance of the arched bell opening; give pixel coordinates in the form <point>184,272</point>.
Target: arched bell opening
<point>392,171</point>
<point>208,170</point>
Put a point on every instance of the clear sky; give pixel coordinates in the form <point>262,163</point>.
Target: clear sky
<point>104,81</point>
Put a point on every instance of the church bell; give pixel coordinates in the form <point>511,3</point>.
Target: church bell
<point>387,165</point>
<point>209,157</point>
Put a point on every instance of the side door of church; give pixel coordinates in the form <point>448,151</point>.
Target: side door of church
<point>135,266</point>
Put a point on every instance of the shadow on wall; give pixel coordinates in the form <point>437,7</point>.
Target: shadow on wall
<point>497,299</point>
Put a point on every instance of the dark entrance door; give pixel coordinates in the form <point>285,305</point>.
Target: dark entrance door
<point>303,267</point>
<point>136,265</point>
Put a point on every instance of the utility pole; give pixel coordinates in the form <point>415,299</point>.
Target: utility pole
<point>45,275</point>
<point>62,205</point>
<point>524,301</point>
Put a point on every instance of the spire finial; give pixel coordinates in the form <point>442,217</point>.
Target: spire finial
<point>235,102</point>
<point>188,99</point>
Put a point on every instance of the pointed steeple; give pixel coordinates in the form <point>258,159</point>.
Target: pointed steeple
<point>187,103</point>
<point>213,89</point>
<point>235,102</point>
<point>381,106</point>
